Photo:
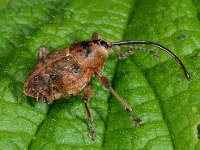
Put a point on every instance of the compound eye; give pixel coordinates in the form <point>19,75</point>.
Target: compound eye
<point>104,44</point>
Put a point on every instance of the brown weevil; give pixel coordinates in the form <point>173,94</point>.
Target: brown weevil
<point>70,71</point>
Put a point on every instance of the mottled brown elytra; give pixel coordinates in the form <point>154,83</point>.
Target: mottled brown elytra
<point>70,70</point>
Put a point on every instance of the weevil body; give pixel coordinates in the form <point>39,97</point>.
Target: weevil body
<point>66,72</point>
<point>70,71</point>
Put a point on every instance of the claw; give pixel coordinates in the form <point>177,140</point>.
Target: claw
<point>92,135</point>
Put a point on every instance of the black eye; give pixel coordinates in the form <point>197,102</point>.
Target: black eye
<point>104,44</point>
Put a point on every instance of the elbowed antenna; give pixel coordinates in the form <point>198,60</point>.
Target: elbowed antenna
<point>158,46</point>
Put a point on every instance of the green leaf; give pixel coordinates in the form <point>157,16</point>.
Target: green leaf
<point>156,88</point>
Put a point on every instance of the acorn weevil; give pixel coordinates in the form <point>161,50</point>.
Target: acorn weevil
<point>70,70</point>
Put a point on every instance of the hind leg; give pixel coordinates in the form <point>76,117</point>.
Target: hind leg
<point>105,82</point>
<point>43,53</point>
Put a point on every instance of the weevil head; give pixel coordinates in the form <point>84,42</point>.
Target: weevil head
<point>101,44</point>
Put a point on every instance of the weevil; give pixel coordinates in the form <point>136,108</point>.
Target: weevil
<point>70,70</point>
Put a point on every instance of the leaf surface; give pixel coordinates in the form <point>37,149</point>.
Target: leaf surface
<point>156,88</point>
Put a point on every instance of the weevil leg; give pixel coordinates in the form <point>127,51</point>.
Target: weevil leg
<point>43,53</point>
<point>86,97</point>
<point>124,54</point>
<point>142,49</point>
<point>104,80</point>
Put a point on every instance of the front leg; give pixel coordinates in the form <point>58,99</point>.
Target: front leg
<point>123,54</point>
<point>105,82</point>
<point>86,97</point>
<point>130,51</point>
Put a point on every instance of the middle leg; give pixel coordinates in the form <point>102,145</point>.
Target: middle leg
<point>86,97</point>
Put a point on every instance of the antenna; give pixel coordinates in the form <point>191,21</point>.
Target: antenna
<point>158,46</point>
